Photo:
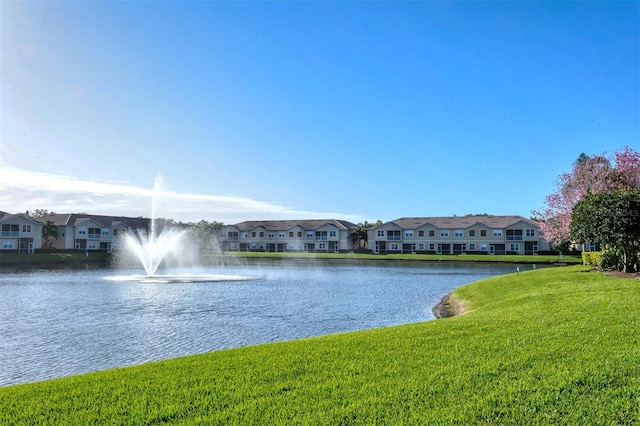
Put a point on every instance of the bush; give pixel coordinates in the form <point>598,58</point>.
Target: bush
<point>591,258</point>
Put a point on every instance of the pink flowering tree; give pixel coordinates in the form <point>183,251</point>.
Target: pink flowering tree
<point>590,175</point>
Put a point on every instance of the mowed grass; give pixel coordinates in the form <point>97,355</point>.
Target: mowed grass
<point>549,346</point>
<point>506,258</point>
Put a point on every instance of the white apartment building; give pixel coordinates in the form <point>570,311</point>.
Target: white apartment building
<point>20,233</point>
<point>85,232</point>
<point>314,235</point>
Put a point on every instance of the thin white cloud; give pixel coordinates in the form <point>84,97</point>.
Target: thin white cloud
<point>22,190</point>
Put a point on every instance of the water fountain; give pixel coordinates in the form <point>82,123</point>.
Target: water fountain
<point>153,247</point>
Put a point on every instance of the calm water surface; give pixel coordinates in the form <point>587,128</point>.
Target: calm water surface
<point>56,323</point>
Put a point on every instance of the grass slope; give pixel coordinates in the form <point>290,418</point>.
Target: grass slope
<point>549,346</point>
<point>507,258</point>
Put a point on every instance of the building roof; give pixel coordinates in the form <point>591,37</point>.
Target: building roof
<point>73,219</point>
<point>283,225</point>
<point>461,222</point>
<point>4,217</point>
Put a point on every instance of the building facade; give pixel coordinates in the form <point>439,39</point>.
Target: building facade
<point>85,232</point>
<point>484,234</point>
<point>330,235</point>
<point>20,233</point>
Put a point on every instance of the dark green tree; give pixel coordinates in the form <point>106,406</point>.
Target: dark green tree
<point>613,220</point>
<point>49,230</point>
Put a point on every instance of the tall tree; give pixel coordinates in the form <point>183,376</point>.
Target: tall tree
<point>611,219</point>
<point>590,175</point>
<point>49,230</point>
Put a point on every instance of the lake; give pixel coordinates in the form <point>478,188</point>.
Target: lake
<point>60,322</point>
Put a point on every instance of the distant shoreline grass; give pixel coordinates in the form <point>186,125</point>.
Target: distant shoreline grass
<point>547,346</point>
<point>529,259</point>
<point>62,258</point>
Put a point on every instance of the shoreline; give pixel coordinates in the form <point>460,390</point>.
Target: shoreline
<point>444,309</point>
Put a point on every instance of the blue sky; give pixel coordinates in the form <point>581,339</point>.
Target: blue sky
<point>272,110</point>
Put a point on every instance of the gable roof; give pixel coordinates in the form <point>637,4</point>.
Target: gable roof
<point>5,217</point>
<point>462,222</point>
<point>283,225</point>
<point>73,219</point>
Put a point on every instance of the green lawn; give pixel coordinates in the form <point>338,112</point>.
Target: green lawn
<point>548,346</point>
<point>52,258</point>
<point>428,257</point>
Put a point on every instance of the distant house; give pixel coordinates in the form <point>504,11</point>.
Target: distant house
<point>311,235</point>
<point>85,232</point>
<point>20,233</point>
<point>458,235</point>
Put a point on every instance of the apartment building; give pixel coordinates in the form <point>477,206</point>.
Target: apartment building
<point>314,235</point>
<point>86,232</point>
<point>20,233</point>
<point>484,234</point>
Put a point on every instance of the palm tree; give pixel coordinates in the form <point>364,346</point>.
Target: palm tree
<point>359,234</point>
<point>49,230</point>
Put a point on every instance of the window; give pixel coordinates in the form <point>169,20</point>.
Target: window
<point>483,232</point>
<point>432,246</point>
<point>92,245</point>
<point>444,232</point>
<point>531,232</point>
<point>253,234</point>
<point>514,247</point>
<point>271,235</point>
<point>408,234</point>
<point>105,231</point>
<point>245,235</point>
<point>432,233</point>
<point>380,233</point>
<point>290,234</point>
<point>26,229</point>
<point>261,234</point>
<point>82,231</point>
<point>394,247</point>
<point>321,235</point>
<point>483,247</point>
<point>472,247</point>
<point>299,234</point>
<point>322,246</point>
<point>309,234</point>
<point>458,233</point>
<point>514,234</point>
<point>420,246</point>
<point>393,235</point>
<point>332,233</point>
<point>281,234</point>
<point>472,232</point>
<point>497,232</point>
<point>7,244</point>
<point>115,232</point>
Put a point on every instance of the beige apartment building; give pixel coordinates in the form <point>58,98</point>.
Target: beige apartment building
<point>484,234</point>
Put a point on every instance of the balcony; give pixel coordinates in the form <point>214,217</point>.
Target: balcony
<point>514,238</point>
<point>10,233</point>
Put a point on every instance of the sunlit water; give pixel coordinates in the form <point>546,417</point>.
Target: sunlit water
<point>56,323</point>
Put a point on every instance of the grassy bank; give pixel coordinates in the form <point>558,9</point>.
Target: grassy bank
<point>556,345</point>
<point>411,257</point>
<point>51,258</point>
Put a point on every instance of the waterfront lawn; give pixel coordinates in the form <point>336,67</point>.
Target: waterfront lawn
<point>555,345</point>
<point>570,259</point>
